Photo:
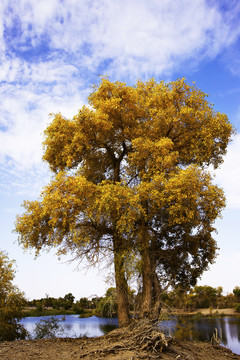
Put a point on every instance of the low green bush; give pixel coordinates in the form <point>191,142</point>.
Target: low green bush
<point>237,307</point>
<point>48,328</point>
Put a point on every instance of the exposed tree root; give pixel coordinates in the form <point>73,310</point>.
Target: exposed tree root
<point>149,337</point>
<point>143,339</point>
<point>143,336</point>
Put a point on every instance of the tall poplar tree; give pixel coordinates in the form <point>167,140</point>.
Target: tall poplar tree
<point>130,178</point>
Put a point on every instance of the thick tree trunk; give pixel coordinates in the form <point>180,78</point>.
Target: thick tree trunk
<point>147,293</point>
<point>120,279</point>
<point>151,293</point>
<point>121,285</point>
<point>156,309</point>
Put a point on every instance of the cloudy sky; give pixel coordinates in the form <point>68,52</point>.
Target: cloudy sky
<point>51,54</point>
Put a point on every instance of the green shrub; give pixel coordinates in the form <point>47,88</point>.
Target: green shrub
<point>237,307</point>
<point>48,328</point>
<point>77,309</point>
<point>39,306</point>
<point>107,306</point>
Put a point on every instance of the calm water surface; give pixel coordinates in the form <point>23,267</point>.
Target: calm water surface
<point>227,328</point>
<point>74,326</point>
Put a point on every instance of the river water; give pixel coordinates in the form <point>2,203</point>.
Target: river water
<point>74,326</point>
<point>228,329</point>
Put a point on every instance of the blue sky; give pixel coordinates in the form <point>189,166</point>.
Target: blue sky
<point>52,52</point>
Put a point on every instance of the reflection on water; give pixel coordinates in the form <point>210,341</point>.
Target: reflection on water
<point>106,328</point>
<point>74,326</point>
<point>227,328</point>
<point>68,327</point>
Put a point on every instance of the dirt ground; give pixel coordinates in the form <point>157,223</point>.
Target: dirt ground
<point>96,348</point>
<point>132,343</point>
<point>142,340</point>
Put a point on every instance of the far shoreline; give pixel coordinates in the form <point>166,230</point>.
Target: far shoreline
<point>204,312</point>
<point>165,312</point>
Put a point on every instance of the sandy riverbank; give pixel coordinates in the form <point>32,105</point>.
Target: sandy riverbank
<point>206,312</point>
<point>138,341</point>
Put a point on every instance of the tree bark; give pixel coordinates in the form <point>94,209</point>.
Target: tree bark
<point>118,251</point>
<point>147,293</point>
<point>156,308</point>
<point>121,285</point>
<point>151,293</point>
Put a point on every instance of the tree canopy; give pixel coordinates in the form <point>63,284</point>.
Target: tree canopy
<point>130,183</point>
<point>11,302</point>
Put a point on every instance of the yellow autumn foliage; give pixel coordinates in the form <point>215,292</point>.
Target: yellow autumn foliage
<point>130,177</point>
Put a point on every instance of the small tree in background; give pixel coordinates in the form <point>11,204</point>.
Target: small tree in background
<point>236,292</point>
<point>107,307</point>
<point>11,303</point>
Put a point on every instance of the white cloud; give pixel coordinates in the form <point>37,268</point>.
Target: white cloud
<point>127,39</point>
<point>138,37</point>
<point>25,109</point>
<point>228,175</point>
<point>124,38</point>
<point>224,272</point>
<point>19,183</point>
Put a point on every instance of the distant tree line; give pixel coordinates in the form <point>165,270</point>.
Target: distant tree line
<point>64,303</point>
<point>202,297</point>
<point>197,298</point>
